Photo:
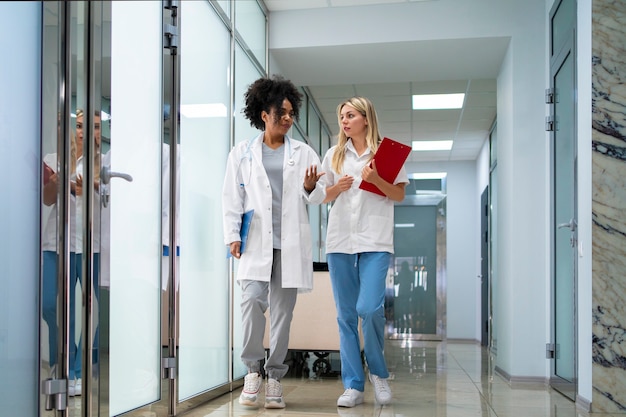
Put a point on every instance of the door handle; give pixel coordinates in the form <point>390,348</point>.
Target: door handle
<point>571,225</point>
<point>106,174</point>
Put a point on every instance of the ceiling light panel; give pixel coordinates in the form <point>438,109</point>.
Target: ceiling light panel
<point>438,101</point>
<point>431,145</point>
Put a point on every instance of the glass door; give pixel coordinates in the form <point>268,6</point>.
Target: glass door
<point>101,215</point>
<point>131,178</point>
<point>62,215</point>
<point>415,297</point>
<point>564,199</point>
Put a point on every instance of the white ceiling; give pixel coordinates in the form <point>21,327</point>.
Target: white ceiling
<point>401,69</point>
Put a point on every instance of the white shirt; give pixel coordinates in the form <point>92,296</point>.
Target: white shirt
<point>359,221</point>
<point>49,238</point>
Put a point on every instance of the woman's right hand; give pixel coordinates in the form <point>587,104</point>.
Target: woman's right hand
<point>50,190</point>
<point>344,183</point>
<point>234,249</point>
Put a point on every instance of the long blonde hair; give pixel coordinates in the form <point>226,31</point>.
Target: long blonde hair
<point>372,137</point>
<point>96,156</point>
<point>73,152</point>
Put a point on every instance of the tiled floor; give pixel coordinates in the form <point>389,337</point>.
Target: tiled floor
<point>429,379</point>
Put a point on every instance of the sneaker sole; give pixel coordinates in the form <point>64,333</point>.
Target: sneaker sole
<point>274,404</point>
<point>357,402</point>
<point>249,402</point>
<point>379,402</point>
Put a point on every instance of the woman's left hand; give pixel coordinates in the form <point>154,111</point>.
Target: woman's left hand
<point>311,177</point>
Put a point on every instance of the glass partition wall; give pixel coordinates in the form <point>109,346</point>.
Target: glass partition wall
<point>139,306</point>
<point>142,101</point>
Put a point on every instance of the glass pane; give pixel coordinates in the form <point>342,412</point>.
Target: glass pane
<point>51,119</point>
<point>493,146</point>
<point>314,131</point>
<point>131,255</point>
<point>304,110</point>
<point>562,24</point>
<point>245,74</point>
<point>493,257</point>
<point>250,24</point>
<point>20,205</point>
<point>564,198</point>
<point>225,5</point>
<point>412,296</point>
<point>324,208</point>
<point>204,144</point>
<point>314,134</point>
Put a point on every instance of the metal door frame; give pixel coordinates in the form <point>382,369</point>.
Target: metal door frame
<point>558,55</point>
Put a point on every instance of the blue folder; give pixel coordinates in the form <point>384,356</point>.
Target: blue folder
<point>246,220</point>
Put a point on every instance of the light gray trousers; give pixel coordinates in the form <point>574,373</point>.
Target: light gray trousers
<point>256,297</point>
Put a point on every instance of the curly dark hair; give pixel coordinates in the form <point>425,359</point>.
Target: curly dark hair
<point>266,94</point>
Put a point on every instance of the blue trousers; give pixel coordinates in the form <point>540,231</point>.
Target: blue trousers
<point>358,282</point>
<point>49,306</point>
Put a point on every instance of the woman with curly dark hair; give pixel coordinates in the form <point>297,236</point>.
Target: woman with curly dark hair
<point>272,177</point>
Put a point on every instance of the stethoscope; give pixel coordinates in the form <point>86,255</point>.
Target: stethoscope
<point>248,155</point>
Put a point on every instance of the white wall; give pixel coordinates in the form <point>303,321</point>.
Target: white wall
<point>523,161</point>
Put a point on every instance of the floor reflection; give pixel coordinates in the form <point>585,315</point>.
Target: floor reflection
<point>428,379</point>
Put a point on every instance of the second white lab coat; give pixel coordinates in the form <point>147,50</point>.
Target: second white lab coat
<point>246,186</point>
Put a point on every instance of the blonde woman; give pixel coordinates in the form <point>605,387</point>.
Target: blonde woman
<point>359,247</point>
<point>50,260</point>
<point>50,255</point>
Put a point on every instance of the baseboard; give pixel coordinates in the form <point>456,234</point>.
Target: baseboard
<point>523,381</point>
<point>583,404</point>
<point>467,341</point>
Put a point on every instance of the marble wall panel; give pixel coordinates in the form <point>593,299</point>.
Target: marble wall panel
<point>609,206</point>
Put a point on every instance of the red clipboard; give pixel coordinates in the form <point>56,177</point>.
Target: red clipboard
<point>390,158</point>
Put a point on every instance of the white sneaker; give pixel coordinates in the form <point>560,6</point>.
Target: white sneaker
<point>53,372</point>
<point>274,394</point>
<point>251,387</point>
<point>78,387</point>
<point>350,398</point>
<point>382,392</point>
<point>71,388</point>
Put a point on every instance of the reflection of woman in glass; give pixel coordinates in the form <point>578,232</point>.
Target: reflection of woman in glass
<point>402,304</point>
<point>80,131</point>
<point>50,257</point>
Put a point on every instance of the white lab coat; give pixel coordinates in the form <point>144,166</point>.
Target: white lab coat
<point>246,187</point>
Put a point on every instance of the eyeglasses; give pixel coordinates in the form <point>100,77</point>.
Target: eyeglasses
<point>282,113</point>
